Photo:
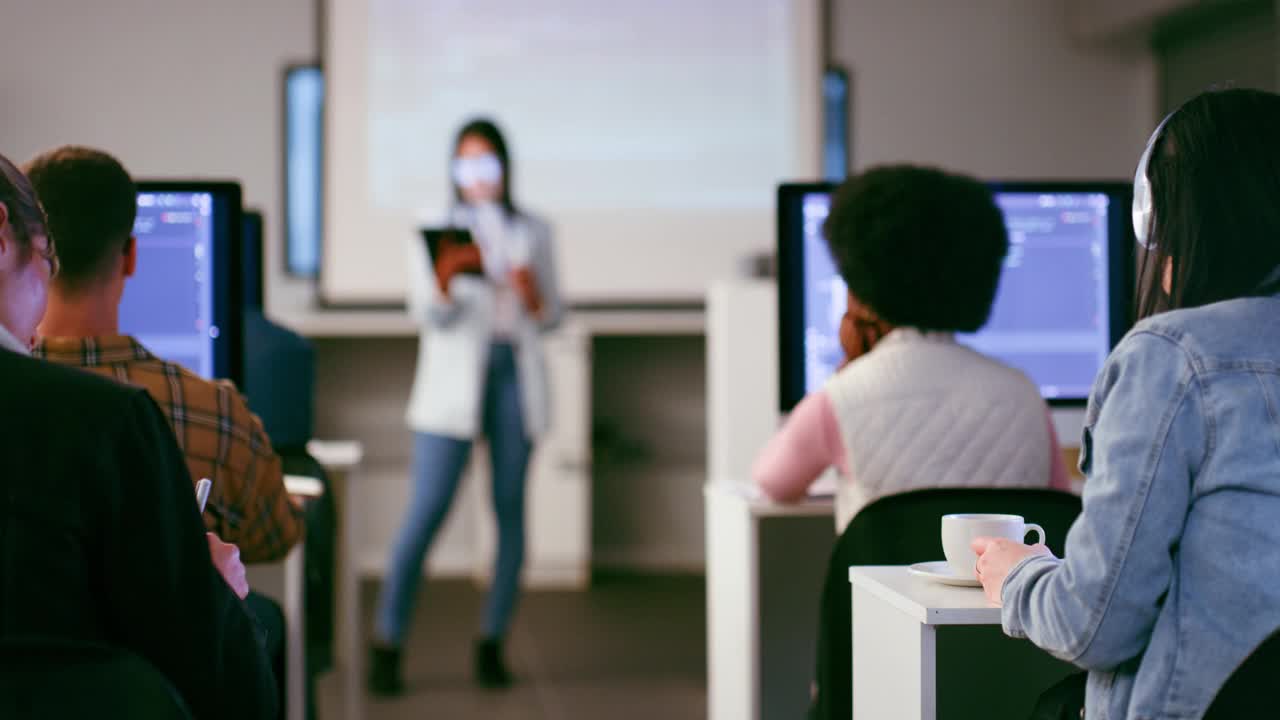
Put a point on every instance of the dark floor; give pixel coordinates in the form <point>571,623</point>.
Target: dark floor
<point>630,647</point>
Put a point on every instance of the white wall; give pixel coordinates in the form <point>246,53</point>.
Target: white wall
<point>992,87</point>
<point>172,87</point>
<point>1237,48</point>
<point>1124,22</point>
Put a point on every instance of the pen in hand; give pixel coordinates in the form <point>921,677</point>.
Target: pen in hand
<point>226,557</point>
<point>202,492</point>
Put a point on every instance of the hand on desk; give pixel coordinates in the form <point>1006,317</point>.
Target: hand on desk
<point>226,558</point>
<point>996,557</point>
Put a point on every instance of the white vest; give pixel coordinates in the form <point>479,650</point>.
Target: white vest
<point>923,411</point>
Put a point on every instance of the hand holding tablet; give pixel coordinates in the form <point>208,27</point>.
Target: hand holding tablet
<point>452,252</point>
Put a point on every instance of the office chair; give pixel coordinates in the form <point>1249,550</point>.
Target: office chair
<point>1247,693</point>
<point>51,679</point>
<point>1250,691</point>
<point>900,530</point>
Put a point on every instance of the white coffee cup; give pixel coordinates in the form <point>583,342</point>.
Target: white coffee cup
<point>958,532</point>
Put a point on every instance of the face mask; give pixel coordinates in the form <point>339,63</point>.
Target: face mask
<point>476,170</point>
<point>1143,208</point>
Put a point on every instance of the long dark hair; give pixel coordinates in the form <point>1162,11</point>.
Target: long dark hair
<point>25,213</point>
<point>487,130</point>
<point>1215,188</point>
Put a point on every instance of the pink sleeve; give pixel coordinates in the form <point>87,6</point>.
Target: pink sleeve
<point>807,444</point>
<point>1059,479</point>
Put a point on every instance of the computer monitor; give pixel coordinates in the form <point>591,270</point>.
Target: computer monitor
<point>184,301</point>
<point>1062,305</point>
<point>303,168</point>
<point>835,123</point>
<point>251,260</point>
<point>279,364</point>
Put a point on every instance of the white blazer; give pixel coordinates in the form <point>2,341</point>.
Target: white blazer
<point>457,332</point>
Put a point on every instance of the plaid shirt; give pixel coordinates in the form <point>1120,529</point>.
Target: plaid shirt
<point>221,438</point>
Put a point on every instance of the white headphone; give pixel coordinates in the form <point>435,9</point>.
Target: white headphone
<point>1143,209</point>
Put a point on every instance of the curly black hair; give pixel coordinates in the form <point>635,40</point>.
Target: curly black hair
<point>91,202</point>
<point>921,247</point>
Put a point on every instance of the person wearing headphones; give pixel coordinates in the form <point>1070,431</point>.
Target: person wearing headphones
<point>1169,577</point>
<point>483,307</point>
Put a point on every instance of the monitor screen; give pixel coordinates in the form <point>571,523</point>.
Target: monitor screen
<point>835,123</point>
<point>303,148</point>
<point>183,301</point>
<point>1062,302</point>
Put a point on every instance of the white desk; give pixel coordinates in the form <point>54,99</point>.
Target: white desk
<point>341,460</point>
<point>765,567</point>
<point>923,651</point>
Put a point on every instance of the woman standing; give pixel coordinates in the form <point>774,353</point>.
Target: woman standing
<point>1169,578</point>
<point>483,308</point>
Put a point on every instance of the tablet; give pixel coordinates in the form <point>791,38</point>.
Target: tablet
<point>457,235</point>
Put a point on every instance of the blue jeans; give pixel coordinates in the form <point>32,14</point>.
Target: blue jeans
<point>438,462</point>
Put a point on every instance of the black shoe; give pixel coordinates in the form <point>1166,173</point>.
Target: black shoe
<point>384,672</point>
<point>491,671</point>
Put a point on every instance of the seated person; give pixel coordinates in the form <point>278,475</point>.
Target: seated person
<point>921,252</point>
<point>102,538</point>
<point>91,202</point>
<point>1169,578</point>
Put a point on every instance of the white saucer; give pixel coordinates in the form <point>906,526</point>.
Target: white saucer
<point>940,571</point>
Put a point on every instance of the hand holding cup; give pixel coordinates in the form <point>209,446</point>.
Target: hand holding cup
<point>968,538</point>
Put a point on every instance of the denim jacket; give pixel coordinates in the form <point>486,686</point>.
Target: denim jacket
<point>1172,573</point>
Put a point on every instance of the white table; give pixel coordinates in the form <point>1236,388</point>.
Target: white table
<point>766,563</point>
<point>341,461</point>
<point>922,651</point>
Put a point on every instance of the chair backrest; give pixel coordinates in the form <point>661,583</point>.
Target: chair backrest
<point>279,379</point>
<point>49,678</point>
<point>1250,691</point>
<point>900,530</point>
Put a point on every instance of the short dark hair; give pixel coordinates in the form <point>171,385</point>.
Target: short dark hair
<point>920,247</point>
<point>488,130</point>
<point>25,214</point>
<point>91,202</point>
<point>1215,180</point>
